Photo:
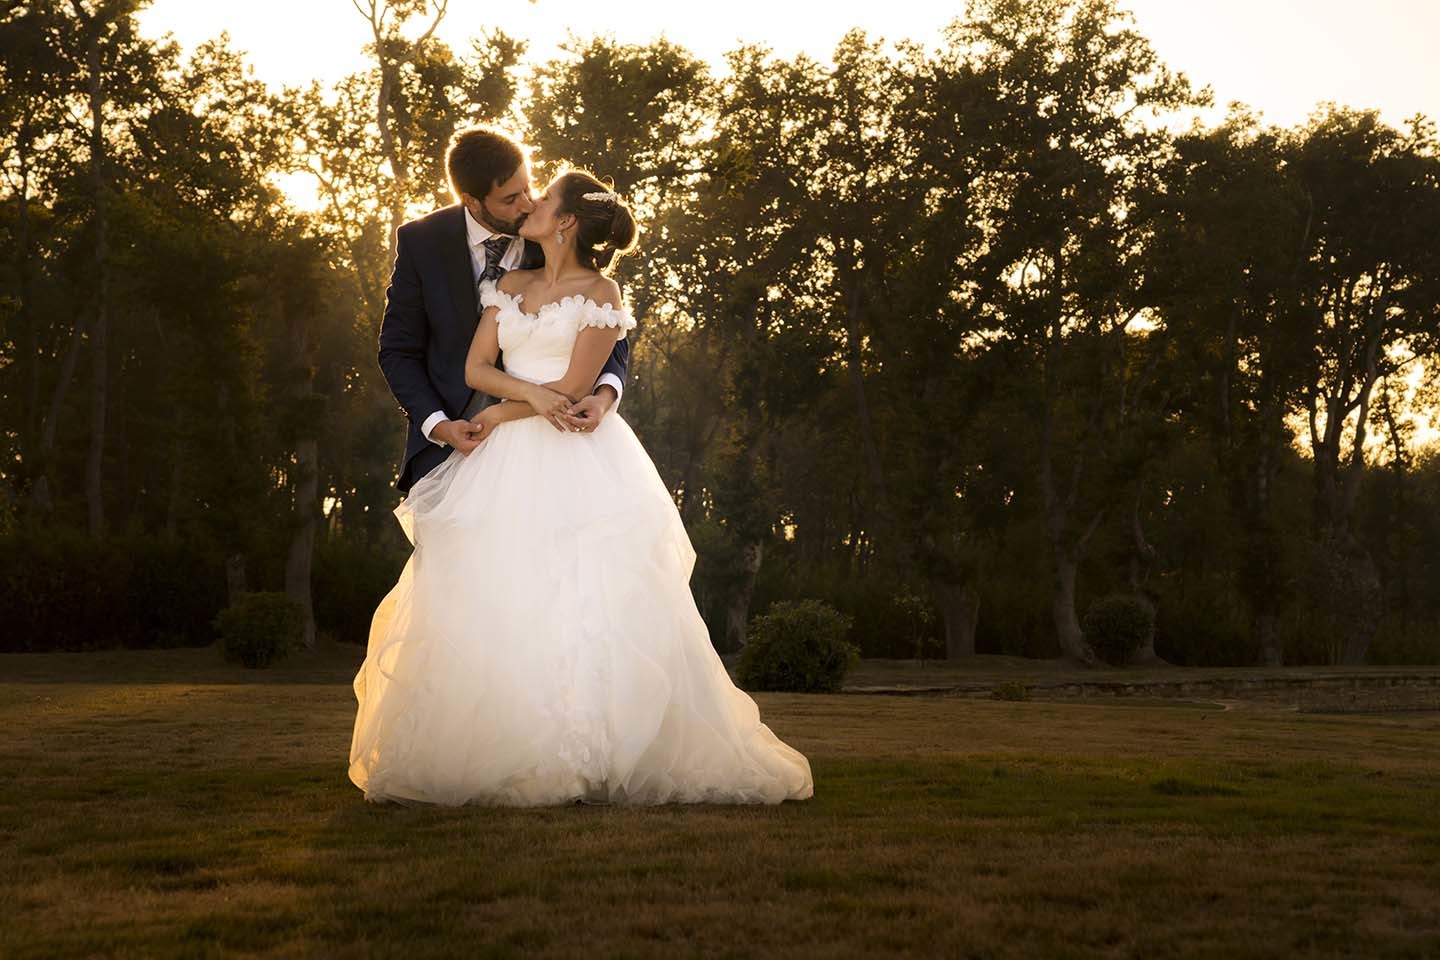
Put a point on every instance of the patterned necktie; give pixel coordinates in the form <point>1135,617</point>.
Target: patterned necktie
<point>495,248</point>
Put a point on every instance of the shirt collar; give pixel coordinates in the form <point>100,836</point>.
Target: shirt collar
<point>476,232</point>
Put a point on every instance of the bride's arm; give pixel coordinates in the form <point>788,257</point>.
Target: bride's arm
<point>482,374</point>
<point>507,410</point>
<point>593,346</point>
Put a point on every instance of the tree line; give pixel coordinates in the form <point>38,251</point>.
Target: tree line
<point>958,336</point>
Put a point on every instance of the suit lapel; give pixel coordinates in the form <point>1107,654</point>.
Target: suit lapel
<point>455,254</point>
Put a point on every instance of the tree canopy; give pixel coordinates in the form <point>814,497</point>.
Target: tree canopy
<point>959,335</point>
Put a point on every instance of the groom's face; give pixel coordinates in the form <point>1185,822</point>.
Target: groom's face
<point>508,203</point>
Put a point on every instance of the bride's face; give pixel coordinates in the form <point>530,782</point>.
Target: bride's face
<point>545,219</point>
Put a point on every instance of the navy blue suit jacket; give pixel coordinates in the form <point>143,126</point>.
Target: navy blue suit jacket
<point>431,312</point>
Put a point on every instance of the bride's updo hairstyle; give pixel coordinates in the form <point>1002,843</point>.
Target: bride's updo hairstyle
<point>604,227</point>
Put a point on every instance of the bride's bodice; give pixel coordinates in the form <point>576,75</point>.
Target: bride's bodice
<point>537,346</point>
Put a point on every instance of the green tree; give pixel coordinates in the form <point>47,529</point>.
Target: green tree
<point>1372,303</point>
<point>1056,121</point>
<point>1233,231</point>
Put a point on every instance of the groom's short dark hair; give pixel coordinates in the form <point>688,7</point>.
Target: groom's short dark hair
<point>479,158</point>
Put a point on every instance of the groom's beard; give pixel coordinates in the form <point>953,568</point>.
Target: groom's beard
<point>510,227</point>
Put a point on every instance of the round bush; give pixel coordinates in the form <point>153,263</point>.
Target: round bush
<point>260,628</point>
<point>1117,626</point>
<point>1011,690</point>
<point>797,646</point>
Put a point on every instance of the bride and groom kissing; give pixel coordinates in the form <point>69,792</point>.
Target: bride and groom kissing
<point>431,304</point>
<point>541,645</point>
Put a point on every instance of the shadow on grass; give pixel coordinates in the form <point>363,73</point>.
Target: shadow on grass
<point>195,820</point>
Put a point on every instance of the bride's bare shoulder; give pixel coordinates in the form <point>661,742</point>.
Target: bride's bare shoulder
<point>604,291</point>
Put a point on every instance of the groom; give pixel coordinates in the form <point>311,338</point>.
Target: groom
<point>432,303</point>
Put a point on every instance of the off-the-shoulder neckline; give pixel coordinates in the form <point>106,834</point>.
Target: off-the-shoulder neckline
<point>515,299</point>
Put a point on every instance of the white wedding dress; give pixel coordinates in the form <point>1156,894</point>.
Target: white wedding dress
<point>542,645</point>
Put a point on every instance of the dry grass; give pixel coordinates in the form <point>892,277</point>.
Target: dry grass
<point>153,814</point>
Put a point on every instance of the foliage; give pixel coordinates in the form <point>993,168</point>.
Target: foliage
<point>1118,626</point>
<point>953,337</point>
<point>60,590</point>
<point>1014,690</point>
<point>258,629</point>
<point>351,578</point>
<point>798,646</point>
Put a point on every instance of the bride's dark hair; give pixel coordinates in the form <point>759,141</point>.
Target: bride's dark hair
<point>605,228</point>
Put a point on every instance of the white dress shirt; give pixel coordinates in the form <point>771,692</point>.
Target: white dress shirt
<point>476,233</point>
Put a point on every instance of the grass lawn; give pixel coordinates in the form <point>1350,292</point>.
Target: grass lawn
<point>157,809</point>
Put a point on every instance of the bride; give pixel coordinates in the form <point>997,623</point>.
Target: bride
<point>542,645</point>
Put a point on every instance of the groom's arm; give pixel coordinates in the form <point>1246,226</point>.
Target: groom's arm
<point>613,373</point>
<point>404,332</point>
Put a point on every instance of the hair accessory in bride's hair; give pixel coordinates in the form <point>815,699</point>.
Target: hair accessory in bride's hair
<point>609,196</point>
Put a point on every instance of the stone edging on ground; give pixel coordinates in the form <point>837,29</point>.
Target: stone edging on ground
<point>1328,693</point>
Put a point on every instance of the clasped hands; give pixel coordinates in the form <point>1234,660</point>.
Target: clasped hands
<point>566,415</point>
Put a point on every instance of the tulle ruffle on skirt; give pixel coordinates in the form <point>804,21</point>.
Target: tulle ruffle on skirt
<point>542,644</point>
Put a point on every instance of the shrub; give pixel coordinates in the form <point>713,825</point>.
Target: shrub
<point>1118,625</point>
<point>62,590</point>
<point>1205,623</point>
<point>173,592</point>
<point>798,646</point>
<point>260,628</point>
<point>1399,642</point>
<point>892,618</point>
<point>1011,690</point>
<point>349,579</point>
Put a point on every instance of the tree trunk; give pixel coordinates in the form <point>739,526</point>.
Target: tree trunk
<point>399,169</point>
<point>1267,629</point>
<point>235,581</point>
<point>1060,508</point>
<point>1142,554</point>
<point>737,611</point>
<point>960,607</point>
<point>1062,608</point>
<point>99,331</point>
<point>29,359</point>
<point>1348,585</point>
<point>1365,578</point>
<point>1064,562</point>
<point>389,67</point>
<point>94,460</point>
<point>1146,655</point>
<point>302,545</point>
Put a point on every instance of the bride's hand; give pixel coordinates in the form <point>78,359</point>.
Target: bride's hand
<point>550,405</point>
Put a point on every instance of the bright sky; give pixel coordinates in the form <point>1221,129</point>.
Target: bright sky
<point>1280,56</point>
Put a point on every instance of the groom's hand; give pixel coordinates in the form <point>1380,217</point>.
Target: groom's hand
<point>460,434</point>
<point>587,412</point>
